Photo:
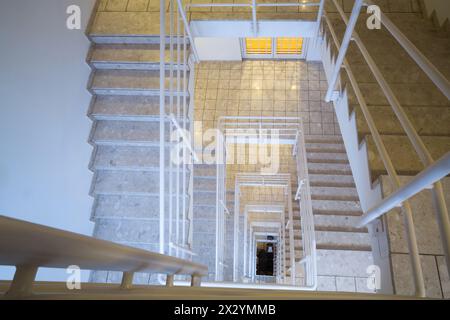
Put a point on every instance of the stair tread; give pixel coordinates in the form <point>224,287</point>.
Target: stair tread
<point>325,147</point>
<point>331,180</point>
<point>115,107</point>
<point>127,158</point>
<point>337,222</point>
<point>126,206</point>
<point>128,81</point>
<point>408,94</point>
<point>427,120</point>
<point>324,157</point>
<point>128,53</point>
<point>343,262</point>
<point>125,133</point>
<point>127,183</point>
<point>130,57</point>
<point>402,154</point>
<point>352,208</point>
<point>334,193</point>
<point>330,168</point>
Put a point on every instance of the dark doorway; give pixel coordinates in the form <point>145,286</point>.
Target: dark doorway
<point>264,261</point>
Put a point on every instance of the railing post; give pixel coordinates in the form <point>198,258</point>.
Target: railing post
<point>344,47</point>
<point>255,21</point>
<point>22,283</point>
<point>188,30</point>
<point>235,231</point>
<point>319,16</point>
<point>127,280</point>
<point>196,280</point>
<point>443,220</point>
<point>162,118</point>
<point>291,234</point>
<point>169,280</point>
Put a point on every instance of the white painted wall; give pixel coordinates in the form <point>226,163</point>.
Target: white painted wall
<point>442,8</point>
<point>220,49</point>
<point>44,153</point>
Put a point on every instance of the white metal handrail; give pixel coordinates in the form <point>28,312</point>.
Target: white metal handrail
<point>254,5</point>
<point>28,246</point>
<point>186,28</point>
<point>176,221</point>
<point>409,223</point>
<point>429,68</point>
<point>440,169</point>
<point>419,146</point>
<point>309,259</point>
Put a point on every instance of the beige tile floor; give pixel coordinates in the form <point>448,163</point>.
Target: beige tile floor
<point>264,88</point>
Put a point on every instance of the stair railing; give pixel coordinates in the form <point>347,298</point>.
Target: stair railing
<point>420,148</point>
<point>261,180</point>
<point>176,120</point>
<point>289,131</point>
<point>29,246</point>
<point>254,5</point>
<point>309,259</point>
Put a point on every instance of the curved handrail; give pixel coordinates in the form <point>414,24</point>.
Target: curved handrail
<point>27,244</point>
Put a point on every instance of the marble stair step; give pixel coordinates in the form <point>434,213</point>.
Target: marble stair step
<point>126,206</point>
<point>420,31</point>
<point>205,183</point>
<point>131,57</point>
<point>129,158</point>
<point>137,183</point>
<point>204,212</point>
<point>409,94</point>
<point>337,223</point>
<point>204,198</point>
<point>323,157</point>
<point>129,230</point>
<point>131,82</point>
<point>323,139</point>
<point>343,262</point>
<point>329,168</point>
<point>341,240</point>
<point>427,120</point>
<point>334,193</point>
<point>126,133</point>
<point>324,147</point>
<point>128,108</point>
<point>205,170</point>
<point>402,154</point>
<point>333,207</point>
<point>127,27</point>
<point>331,180</point>
<point>404,72</point>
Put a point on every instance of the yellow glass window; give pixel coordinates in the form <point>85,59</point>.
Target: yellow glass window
<point>258,45</point>
<point>289,46</point>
